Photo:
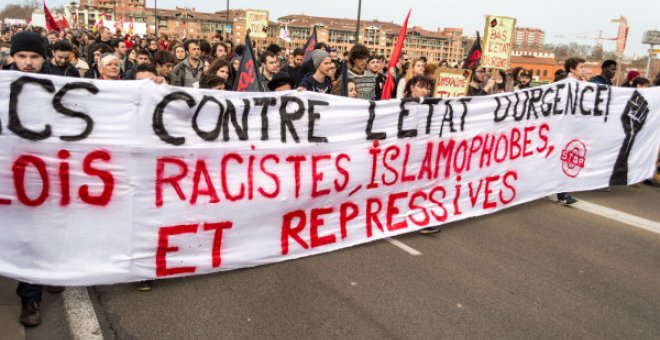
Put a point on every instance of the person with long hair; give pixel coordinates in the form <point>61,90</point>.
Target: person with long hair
<point>220,67</point>
<point>416,68</point>
<point>420,86</point>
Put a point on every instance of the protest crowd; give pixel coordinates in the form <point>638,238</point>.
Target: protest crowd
<point>215,64</point>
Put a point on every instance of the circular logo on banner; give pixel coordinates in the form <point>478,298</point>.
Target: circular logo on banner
<point>573,157</point>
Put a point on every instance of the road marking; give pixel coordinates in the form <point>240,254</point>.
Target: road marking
<point>617,215</point>
<point>408,249</point>
<point>83,323</point>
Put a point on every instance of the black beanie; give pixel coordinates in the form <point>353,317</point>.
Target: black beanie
<point>27,41</point>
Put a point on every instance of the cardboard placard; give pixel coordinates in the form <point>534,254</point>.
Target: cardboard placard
<point>450,82</point>
<point>257,22</point>
<point>498,42</point>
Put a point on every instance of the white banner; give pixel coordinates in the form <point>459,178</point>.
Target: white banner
<point>116,181</point>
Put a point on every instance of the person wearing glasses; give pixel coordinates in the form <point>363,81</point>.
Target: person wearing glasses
<point>479,86</point>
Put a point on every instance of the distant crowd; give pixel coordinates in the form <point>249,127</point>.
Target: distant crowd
<point>214,63</point>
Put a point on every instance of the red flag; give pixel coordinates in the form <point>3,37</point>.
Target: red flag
<point>394,59</point>
<point>51,24</point>
<point>62,23</point>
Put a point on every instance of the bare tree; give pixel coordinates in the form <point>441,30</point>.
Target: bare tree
<point>19,11</point>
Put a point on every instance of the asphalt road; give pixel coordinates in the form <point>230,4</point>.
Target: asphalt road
<point>536,271</point>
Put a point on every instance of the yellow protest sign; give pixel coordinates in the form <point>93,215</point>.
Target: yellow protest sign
<point>257,23</point>
<point>498,42</point>
<point>450,82</point>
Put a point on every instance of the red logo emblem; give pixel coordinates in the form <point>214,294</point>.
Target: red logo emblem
<point>573,157</point>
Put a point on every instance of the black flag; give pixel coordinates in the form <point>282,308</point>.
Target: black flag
<point>474,56</point>
<point>248,78</point>
<point>311,42</point>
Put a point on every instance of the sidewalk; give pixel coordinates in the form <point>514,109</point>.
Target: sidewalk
<point>10,309</point>
<point>54,324</point>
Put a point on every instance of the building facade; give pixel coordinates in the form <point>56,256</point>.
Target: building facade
<point>528,38</point>
<point>541,63</point>
<point>378,36</point>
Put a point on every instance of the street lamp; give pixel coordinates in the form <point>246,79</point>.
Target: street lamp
<point>227,23</point>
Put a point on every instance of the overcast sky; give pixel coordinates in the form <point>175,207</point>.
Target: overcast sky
<point>555,17</point>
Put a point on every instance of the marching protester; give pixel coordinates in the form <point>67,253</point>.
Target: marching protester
<point>109,67</point>
<point>77,62</point>
<point>97,51</point>
<point>416,68</point>
<point>420,86</point>
<point>319,81</point>
<point>29,54</point>
<point>212,81</point>
<point>164,62</point>
<point>503,82</point>
<point>479,86</point>
<point>269,66</point>
<point>294,67</point>
<point>59,64</point>
<point>608,72</point>
<point>120,51</point>
<point>640,82</point>
<point>219,51</point>
<point>103,37</point>
<point>148,71</point>
<point>279,55</point>
<point>143,57</point>
<point>51,38</point>
<point>522,80</point>
<point>574,68</point>
<point>375,66</point>
<point>281,81</point>
<point>220,68</point>
<point>189,71</point>
<point>364,80</point>
<point>179,53</point>
<point>335,59</point>
<point>629,78</point>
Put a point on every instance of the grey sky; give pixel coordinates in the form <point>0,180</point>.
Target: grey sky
<point>555,17</point>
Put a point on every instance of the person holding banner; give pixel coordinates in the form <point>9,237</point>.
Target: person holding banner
<point>420,86</point>
<point>29,55</point>
<point>109,67</point>
<point>574,68</point>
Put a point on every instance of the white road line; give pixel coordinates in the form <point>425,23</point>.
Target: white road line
<point>616,215</point>
<point>83,323</point>
<point>408,249</point>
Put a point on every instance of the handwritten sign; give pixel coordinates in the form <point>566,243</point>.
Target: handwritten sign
<point>498,42</point>
<point>116,181</point>
<point>257,22</point>
<point>451,82</point>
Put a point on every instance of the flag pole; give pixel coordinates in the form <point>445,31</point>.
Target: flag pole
<point>357,26</point>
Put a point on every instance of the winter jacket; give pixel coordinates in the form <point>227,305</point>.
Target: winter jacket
<point>601,80</point>
<point>184,75</point>
<point>67,70</point>
<point>309,83</point>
